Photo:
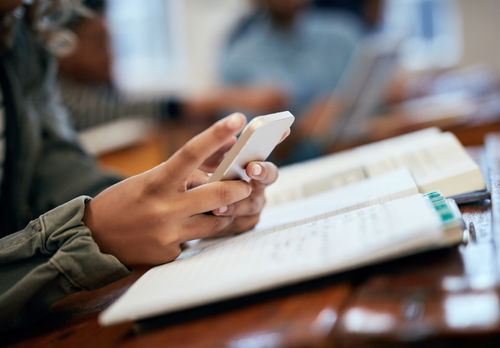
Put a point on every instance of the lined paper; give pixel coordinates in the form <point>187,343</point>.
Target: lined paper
<point>264,261</point>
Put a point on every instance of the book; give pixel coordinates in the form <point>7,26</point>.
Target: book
<point>363,222</point>
<point>436,160</point>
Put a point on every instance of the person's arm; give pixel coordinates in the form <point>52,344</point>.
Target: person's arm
<point>63,169</point>
<point>141,220</point>
<point>145,219</point>
<point>54,256</point>
<point>252,99</point>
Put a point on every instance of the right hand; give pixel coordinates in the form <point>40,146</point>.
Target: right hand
<point>144,219</point>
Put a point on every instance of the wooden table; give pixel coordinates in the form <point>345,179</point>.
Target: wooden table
<point>442,298</point>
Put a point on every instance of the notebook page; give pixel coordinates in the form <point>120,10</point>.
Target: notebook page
<point>310,184</point>
<point>285,256</point>
<point>332,171</point>
<point>385,187</point>
<point>436,164</point>
<point>388,186</point>
<point>348,158</point>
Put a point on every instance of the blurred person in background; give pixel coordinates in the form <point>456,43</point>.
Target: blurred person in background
<point>86,80</point>
<point>300,50</point>
<point>292,47</point>
<point>284,54</point>
<point>88,92</point>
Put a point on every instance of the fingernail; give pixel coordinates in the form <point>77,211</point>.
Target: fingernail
<point>256,169</point>
<point>222,210</point>
<point>234,121</point>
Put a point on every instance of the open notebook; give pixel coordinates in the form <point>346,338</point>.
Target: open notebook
<point>436,160</point>
<point>363,222</point>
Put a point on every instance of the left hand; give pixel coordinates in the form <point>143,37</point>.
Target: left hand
<point>245,213</point>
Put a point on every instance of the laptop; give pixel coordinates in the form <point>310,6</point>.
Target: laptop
<point>364,84</point>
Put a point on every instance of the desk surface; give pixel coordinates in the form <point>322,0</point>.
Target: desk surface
<point>445,297</point>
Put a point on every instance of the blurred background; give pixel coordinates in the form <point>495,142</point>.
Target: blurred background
<point>351,71</point>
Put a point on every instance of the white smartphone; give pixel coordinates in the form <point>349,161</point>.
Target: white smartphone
<point>255,143</point>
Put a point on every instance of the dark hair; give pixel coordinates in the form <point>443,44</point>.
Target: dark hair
<point>46,18</point>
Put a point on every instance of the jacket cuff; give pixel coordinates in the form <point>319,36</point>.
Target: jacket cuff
<point>73,251</point>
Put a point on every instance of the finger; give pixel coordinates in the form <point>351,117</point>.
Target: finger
<point>225,210</point>
<point>240,225</point>
<point>213,161</point>
<point>190,157</point>
<point>214,195</point>
<point>205,226</point>
<point>264,173</point>
<point>251,205</point>
<point>285,135</point>
<point>198,177</point>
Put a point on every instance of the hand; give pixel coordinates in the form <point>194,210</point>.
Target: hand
<point>258,99</point>
<point>246,212</point>
<point>144,219</point>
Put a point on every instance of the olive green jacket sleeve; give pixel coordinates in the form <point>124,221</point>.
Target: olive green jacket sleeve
<point>51,258</point>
